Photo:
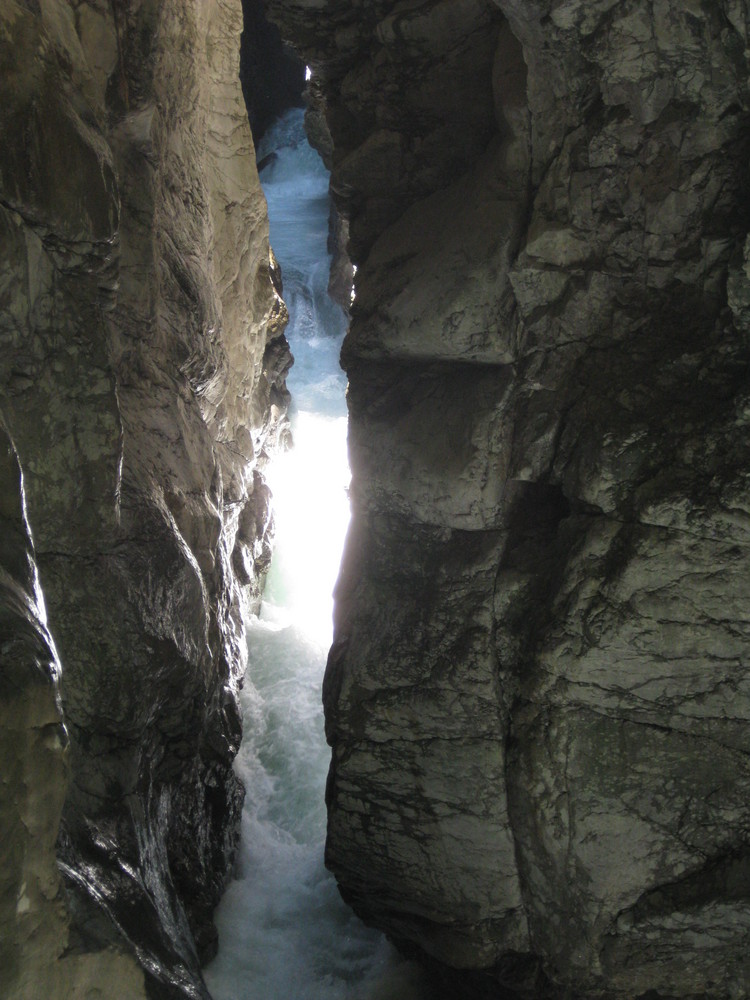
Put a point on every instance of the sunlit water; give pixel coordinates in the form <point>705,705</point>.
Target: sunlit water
<point>284,932</point>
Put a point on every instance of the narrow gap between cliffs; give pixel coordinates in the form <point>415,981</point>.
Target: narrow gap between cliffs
<point>284,931</point>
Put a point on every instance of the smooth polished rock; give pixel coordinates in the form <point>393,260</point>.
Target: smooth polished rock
<point>35,958</point>
<point>142,372</point>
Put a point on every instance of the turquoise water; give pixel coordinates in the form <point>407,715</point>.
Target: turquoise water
<point>284,933</point>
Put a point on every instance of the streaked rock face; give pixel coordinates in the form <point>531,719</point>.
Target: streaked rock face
<point>538,696</point>
<point>142,371</point>
<point>34,749</point>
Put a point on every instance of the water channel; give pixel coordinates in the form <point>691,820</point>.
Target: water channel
<point>284,932</point>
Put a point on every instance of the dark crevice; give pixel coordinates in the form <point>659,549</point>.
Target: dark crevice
<point>271,73</point>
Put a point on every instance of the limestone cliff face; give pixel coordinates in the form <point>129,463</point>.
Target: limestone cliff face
<point>538,695</point>
<point>142,365</point>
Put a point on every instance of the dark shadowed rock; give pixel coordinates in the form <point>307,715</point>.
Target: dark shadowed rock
<point>272,75</point>
<point>537,697</point>
<point>142,373</point>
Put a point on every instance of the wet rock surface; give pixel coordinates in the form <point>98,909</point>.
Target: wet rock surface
<point>142,371</point>
<point>537,697</point>
<point>34,748</point>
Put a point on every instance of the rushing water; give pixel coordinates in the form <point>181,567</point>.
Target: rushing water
<point>284,932</point>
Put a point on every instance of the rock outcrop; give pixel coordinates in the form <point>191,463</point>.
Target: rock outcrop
<point>142,369</point>
<point>538,696</point>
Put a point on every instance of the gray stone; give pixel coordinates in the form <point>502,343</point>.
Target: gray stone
<point>142,372</point>
<point>539,675</point>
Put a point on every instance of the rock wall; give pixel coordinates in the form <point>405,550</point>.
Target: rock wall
<point>142,364</point>
<point>538,695</point>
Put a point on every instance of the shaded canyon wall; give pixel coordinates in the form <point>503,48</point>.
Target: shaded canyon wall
<point>538,694</point>
<point>142,364</point>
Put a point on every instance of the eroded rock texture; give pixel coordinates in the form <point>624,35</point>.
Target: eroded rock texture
<point>538,696</point>
<point>142,368</point>
<point>33,750</point>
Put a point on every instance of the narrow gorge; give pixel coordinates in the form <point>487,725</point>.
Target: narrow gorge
<point>538,691</point>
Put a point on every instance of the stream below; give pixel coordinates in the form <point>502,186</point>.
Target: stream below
<point>284,932</point>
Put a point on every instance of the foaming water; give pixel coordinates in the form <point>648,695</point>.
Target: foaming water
<point>284,932</point>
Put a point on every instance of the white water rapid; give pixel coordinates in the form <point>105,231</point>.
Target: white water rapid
<point>284,933</point>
